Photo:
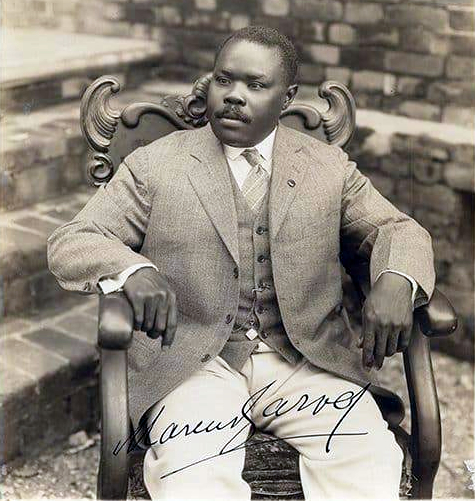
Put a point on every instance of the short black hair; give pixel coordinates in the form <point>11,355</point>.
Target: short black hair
<point>269,37</point>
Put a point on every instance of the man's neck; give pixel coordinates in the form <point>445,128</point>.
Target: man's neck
<point>264,147</point>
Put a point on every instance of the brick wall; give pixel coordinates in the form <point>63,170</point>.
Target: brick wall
<point>413,58</point>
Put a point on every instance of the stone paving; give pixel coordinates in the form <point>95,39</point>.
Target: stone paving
<point>49,361</point>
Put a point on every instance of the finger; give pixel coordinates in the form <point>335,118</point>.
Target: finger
<point>169,335</point>
<point>380,346</point>
<point>368,343</point>
<point>391,346</point>
<point>161,315</point>
<point>154,333</point>
<point>138,307</point>
<point>149,315</point>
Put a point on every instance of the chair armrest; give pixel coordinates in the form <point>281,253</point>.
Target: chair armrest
<point>116,321</point>
<point>438,317</point>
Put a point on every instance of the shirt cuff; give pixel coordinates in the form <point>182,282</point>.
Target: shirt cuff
<point>414,284</point>
<point>115,283</point>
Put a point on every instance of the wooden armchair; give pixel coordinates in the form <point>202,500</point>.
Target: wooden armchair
<point>271,468</point>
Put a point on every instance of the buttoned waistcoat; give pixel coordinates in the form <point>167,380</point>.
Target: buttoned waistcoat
<point>171,203</point>
<point>259,310</point>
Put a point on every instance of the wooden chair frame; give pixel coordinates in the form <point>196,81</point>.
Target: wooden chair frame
<point>101,125</point>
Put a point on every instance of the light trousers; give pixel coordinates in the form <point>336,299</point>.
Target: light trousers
<point>199,432</point>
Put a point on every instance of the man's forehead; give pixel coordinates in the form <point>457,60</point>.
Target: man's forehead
<point>247,72</point>
<point>252,58</point>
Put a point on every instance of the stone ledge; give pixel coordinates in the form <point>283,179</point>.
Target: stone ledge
<point>64,64</point>
<point>58,53</point>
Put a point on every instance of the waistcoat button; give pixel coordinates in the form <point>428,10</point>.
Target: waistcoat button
<point>228,319</point>
<point>260,230</point>
<point>206,357</point>
<point>261,258</point>
<point>235,272</point>
<point>291,182</point>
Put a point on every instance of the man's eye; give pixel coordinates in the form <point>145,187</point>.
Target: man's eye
<point>256,85</point>
<point>222,80</point>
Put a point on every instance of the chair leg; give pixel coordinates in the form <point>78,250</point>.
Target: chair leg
<point>426,438</point>
<point>112,481</point>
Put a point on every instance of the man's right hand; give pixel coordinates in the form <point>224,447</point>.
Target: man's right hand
<point>154,304</point>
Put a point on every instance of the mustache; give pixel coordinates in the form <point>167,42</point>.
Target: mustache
<point>233,112</point>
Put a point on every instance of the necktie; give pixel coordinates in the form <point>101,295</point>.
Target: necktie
<point>256,183</point>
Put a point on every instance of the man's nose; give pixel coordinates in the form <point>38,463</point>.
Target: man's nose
<point>234,96</point>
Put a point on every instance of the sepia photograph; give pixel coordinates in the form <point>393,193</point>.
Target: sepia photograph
<point>237,249</point>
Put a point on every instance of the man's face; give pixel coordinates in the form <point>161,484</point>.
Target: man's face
<point>247,93</point>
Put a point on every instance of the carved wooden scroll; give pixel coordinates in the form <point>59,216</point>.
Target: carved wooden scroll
<point>339,119</point>
<point>185,112</point>
<point>98,124</point>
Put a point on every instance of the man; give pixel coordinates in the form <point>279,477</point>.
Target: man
<point>226,241</point>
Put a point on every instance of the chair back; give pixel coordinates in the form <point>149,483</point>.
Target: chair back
<point>112,134</point>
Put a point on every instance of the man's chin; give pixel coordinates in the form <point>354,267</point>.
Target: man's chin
<point>231,132</point>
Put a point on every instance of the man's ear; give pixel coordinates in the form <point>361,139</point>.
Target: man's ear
<point>289,95</point>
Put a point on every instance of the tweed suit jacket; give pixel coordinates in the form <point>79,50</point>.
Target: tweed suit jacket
<point>171,203</point>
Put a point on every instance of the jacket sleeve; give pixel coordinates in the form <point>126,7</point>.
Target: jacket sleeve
<point>106,236</point>
<point>377,231</point>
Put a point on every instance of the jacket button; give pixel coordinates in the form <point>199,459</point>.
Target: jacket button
<point>260,230</point>
<point>291,182</point>
<point>264,334</point>
<point>260,309</point>
<point>235,272</point>
<point>229,318</point>
<point>206,357</point>
<point>261,258</point>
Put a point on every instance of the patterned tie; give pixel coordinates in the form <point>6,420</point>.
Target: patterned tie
<point>257,181</point>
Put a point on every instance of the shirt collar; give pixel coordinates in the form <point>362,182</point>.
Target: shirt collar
<point>264,148</point>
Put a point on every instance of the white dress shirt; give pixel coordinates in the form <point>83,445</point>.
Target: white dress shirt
<point>240,168</point>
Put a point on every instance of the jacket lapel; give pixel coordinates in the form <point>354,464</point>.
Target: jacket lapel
<point>209,176</point>
<point>289,165</point>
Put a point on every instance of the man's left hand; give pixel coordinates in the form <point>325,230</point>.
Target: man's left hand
<point>387,319</point>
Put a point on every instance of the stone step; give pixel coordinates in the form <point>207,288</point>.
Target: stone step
<point>63,64</point>
<point>26,281</point>
<point>43,152</point>
<point>48,371</point>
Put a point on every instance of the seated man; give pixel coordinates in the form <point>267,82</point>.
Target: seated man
<point>226,242</point>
